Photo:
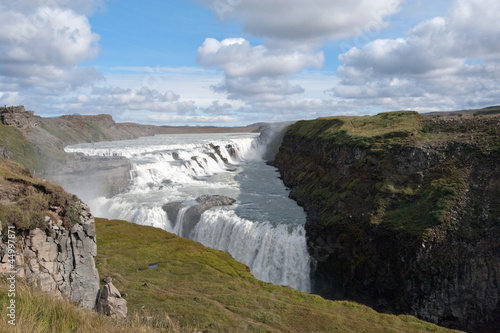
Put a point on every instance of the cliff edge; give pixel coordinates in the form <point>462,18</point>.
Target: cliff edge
<point>46,236</point>
<point>403,212</point>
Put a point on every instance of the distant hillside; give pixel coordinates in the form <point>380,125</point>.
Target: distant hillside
<point>45,138</point>
<point>469,112</point>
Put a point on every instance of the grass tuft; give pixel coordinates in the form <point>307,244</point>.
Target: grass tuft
<point>38,312</point>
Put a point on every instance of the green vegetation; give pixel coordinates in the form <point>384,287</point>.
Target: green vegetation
<point>380,189</point>
<point>96,132</point>
<point>207,289</point>
<point>38,312</point>
<point>365,170</point>
<point>59,133</point>
<point>85,131</point>
<point>383,129</point>
<point>488,110</point>
<point>25,200</point>
<point>23,151</point>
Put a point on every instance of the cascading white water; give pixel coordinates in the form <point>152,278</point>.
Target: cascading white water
<point>264,229</point>
<point>274,253</point>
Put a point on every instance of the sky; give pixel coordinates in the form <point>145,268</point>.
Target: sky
<point>238,62</point>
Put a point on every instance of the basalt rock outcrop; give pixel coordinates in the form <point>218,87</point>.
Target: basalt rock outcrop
<point>403,212</point>
<point>17,116</point>
<point>59,261</point>
<point>55,238</point>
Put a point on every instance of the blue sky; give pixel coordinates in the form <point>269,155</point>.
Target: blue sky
<point>236,62</point>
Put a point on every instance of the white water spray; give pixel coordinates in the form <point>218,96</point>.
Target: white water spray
<point>264,229</point>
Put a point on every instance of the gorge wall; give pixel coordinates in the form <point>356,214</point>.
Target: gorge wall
<point>403,212</point>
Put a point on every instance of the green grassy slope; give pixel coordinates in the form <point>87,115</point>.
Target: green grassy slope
<point>23,151</point>
<point>209,290</point>
<point>25,200</point>
<point>38,312</point>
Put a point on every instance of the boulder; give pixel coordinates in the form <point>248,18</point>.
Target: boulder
<point>110,302</point>
<point>193,213</point>
<point>215,200</point>
<point>172,209</point>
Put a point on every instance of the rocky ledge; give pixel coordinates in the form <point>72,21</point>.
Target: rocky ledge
<point>59,261</point>
<point>47,236</point>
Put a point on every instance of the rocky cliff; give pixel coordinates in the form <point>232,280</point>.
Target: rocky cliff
<point>403,212</point>
<point>47,236</point>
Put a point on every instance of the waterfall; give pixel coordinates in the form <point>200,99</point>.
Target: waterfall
<point>274,253</point>
<point>263,229</point>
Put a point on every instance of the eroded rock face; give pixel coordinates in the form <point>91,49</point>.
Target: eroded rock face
<point>59,261</point>
<point>110,302</point>
<point>18,117</point>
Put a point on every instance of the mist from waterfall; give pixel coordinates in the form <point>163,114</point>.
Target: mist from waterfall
<point>263,229</point>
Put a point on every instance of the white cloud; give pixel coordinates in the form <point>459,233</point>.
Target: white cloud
<point>257,89</point>
<point>41,46</point>
<point>237,58</point>
<point>188,120</point>
<point>116,99</point>
<point>217,109</point>
<point>48,36</point>
<point>431,66</point>
<point>255,73</point>
<point>313,20</point>
<point>84,7</point>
